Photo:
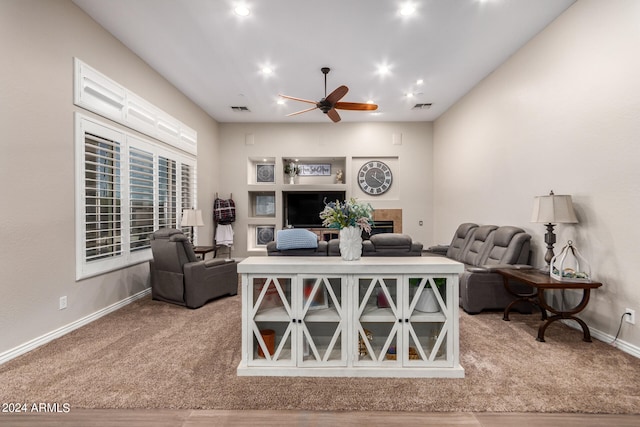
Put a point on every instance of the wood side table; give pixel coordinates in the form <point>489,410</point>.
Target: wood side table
<point>202,250</point>
<point>542,282</point>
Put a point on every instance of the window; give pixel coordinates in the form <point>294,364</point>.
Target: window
<point>140,199</point>
<point>102,208</point>
<point>126,187</point>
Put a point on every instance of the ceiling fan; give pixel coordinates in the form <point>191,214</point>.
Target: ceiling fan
<point>329,104</point>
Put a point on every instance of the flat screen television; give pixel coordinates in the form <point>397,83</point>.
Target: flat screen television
<point>302,208</point>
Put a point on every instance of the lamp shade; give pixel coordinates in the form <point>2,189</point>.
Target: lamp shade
<point>192,218</point>
<point>553,209</point>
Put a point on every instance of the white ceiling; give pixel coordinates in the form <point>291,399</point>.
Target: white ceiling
<point>215,57</point>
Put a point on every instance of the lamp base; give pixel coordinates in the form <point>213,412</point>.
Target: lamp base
<point>550,240</point>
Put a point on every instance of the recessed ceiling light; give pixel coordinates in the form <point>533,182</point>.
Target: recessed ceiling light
<point>419,82</point>
<point>370,101</point>
<point>280,101</point>
<point>383,69</point>
<point>409,95</point>
<point>407,9</point>
<point>242,10</point>
<point>267,70</point>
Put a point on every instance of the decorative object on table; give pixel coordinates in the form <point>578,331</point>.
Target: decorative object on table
<point>351,218</point>
<point>264,234</point>
<point>551,210</point>
<point>319,300</point>
<point>427,301</point>
<point>291,169</point>
<point>570,266</point>
<point>413,354</point>
<point>192,218</point>
<point>265,173</point>
<point>269,338</point>
<point>375,178</point>
<point>339,176</point>
<point>323,169</point>
<point>381,300</point>
<point>362,347</point>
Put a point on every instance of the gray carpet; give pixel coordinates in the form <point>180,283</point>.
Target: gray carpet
<point>155,355</point>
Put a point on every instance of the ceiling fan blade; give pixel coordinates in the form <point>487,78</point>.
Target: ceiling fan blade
<point>337,95</point>
<point>333,115</point>
<point>358,106</point>
<point>302,111</point>
<point>298,99</point>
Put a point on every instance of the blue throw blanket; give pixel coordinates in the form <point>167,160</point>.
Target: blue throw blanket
<point>296,238</point>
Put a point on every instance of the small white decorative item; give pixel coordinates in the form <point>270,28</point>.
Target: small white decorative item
<point>292,170</point>
<point>351,218</point>
<point>339,176</point>
<point>351,243</point>
<point>570,266</point>
<point>427,301</point>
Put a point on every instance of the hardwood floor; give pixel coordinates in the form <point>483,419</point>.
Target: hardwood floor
<point>197,418</point>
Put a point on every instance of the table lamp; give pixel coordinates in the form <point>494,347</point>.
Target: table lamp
<point>551,210</point>
<point>192,218</point>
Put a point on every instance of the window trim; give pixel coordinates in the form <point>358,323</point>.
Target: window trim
<point>126,140</point>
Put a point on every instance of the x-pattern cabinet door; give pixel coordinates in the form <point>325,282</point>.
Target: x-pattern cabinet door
<point>321,320</point>
<point>271,319</point>
<point>426,320</point>
<point>377,300</point>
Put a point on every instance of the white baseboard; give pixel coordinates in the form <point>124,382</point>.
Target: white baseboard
<point>50,336</point>
<point>608,339</point>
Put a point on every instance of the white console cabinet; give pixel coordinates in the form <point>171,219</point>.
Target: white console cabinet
<point>322,316</point>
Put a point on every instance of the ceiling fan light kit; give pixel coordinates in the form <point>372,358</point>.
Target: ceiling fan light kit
<point>331,103</point>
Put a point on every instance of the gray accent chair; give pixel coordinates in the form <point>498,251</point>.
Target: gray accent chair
<point>484,249</point>
<point>178,277</point>
<point>383,245</point>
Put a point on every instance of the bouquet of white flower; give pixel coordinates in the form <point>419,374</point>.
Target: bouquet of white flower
<point>347,214</point>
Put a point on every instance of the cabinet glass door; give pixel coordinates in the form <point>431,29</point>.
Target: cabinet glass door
<point>322,329</point>
<point>271,321</point>
<point>425,321</point>
<point>376,337</point>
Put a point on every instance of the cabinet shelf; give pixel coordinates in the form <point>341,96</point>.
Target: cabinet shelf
<point>372,313</point>
<point>274,314</point>
<point>322,315</point>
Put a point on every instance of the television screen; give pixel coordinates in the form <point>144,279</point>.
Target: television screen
<point>302,208</point>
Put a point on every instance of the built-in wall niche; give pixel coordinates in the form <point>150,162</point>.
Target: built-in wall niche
<point>262,204</point>
<point>261,170</point>
<point>259,235</point>
<point>314,170</point>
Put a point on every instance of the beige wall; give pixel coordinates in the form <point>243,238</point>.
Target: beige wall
<point>38,40</point>
<point>564,114</point>
<point>412,187</point>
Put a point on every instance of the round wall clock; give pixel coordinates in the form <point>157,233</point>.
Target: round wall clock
<point>375,177</point>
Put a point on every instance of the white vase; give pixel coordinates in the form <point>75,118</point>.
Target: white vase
<point>427,302</point>
<point>350,243</point>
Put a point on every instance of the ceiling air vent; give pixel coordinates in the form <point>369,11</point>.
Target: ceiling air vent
<point>421,107</point>
<point>240,108</point>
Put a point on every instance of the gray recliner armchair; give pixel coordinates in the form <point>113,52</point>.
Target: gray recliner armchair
<point>178,277</point>
<point>483,249</point>
<point>481,288</point>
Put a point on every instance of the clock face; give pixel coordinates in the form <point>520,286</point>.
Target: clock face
<point>375,177</point>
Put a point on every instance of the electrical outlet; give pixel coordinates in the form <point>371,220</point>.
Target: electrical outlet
<point>63,303</point>
<point>630,316</point>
